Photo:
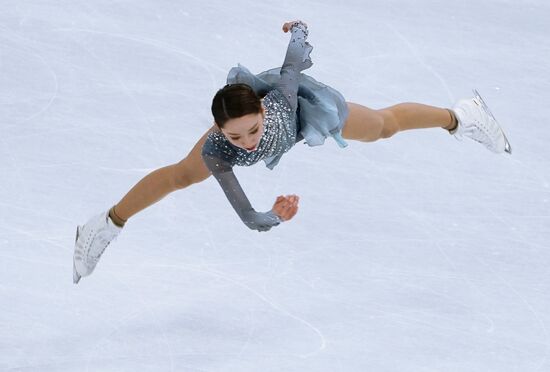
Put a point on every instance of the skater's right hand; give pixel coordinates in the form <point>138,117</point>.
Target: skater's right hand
<point>286,207</point>
<point>287,26</point>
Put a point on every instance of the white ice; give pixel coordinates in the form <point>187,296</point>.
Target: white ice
<point>417,253</point>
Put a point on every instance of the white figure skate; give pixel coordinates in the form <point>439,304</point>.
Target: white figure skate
<point>476,121</point>
<point>91,240</point>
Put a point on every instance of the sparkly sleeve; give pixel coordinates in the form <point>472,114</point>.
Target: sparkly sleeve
<point>296,60</point>
<point>223,172</point>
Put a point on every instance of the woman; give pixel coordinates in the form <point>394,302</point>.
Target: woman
<point>261,118</point>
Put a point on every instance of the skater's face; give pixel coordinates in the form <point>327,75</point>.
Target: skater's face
<point>245,131</point>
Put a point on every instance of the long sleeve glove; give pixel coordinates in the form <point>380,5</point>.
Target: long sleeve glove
<point>223,172</point>
<point>296,60</point>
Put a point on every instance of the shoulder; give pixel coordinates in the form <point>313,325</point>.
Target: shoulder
<point>276,100</point>
<point>217,146</point>
<point>215,142</point>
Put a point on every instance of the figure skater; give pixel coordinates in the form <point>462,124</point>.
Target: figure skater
<point>261,117</point>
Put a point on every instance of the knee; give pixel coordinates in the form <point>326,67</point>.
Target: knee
<point>184,174</point>
<point>390,124</point>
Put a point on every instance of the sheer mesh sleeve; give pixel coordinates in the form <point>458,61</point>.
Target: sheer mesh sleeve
<point>223,172</point>
<point>296,60</point>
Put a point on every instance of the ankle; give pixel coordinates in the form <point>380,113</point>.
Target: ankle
<point>117,220</point>
<point>453,124</point>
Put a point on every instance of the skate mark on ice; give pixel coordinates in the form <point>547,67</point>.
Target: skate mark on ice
<point>51,165</point>
<point>529,307</point>
<point>54,94</point>
<point>438,244</point>
<point>128,92</point>
<point>127,170</point>
<point>126,320</point>
<point>114,127</point>
<point>249,334</point>
<point>263,298</point>
<point>36,236</point>
<point>545,182</point>
<point>156,320</point>
<point>400,278</point>
<point>30,50</point>
<point>149,42</point>
<point>205,64</point>
<point>94,349</point>
<point>18,176</point>
<point>415,52</point>
<point>35,212</point>
<point>521,238</point>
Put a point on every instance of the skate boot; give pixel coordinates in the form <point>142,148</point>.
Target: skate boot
<point>91,240</point>
<point>475,121</point>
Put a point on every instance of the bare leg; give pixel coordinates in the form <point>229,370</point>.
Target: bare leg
<point>365,124</point>
<point>159,183</point>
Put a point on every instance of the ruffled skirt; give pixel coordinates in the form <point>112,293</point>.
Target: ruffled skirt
<point>322,110</point>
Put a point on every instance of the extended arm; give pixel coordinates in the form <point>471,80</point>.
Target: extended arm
<point>296,60</point>
<point>223,172</point>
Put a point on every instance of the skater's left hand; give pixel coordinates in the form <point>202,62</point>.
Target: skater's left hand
<point>288,25</point>
<point>286,207</point>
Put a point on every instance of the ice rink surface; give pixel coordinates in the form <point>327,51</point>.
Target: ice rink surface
<point>417,253</point>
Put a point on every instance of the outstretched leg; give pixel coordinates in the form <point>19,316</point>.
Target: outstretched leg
<point>94,236</point>
<point>159,183</point>
<point>367,125</point>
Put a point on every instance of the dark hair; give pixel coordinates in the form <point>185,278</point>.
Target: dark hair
<point>234,101</point>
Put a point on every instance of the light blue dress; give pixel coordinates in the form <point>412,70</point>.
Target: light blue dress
<point>297,107</point>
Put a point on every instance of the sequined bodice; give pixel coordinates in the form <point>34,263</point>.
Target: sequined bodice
<point>278,137</point>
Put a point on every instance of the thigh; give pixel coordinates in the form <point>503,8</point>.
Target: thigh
<point>192,169</point>
<point>363,123</point>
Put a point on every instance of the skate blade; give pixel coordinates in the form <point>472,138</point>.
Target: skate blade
<point>507,146</point>
<point>76,275</point>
